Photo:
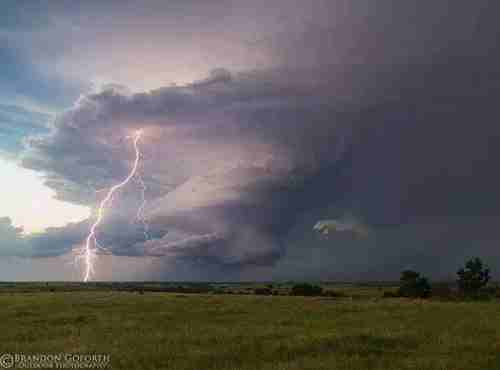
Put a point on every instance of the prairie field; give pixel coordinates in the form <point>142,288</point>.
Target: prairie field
<point>158,330</point>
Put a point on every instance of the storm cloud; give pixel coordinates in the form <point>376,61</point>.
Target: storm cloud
<point>387,109</point>
<point>221,157</point>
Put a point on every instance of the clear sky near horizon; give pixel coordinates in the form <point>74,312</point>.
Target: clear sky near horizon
<point>30,204</point>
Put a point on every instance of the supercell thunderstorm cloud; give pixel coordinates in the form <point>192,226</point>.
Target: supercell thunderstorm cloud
<point>387,111</point>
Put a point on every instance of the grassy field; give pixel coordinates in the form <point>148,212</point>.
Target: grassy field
<point>207,331</point>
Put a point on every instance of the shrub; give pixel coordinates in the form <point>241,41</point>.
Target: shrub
<point>413,285</point>
<point>262,291</point>
<point>306,290</point>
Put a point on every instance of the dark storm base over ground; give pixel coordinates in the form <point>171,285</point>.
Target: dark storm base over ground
<point>158,330</point>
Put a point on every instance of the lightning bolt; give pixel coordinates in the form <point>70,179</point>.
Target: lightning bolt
<point>140,217</point>
<point>89,252</point>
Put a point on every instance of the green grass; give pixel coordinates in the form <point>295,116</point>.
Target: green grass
<point>203,332</point>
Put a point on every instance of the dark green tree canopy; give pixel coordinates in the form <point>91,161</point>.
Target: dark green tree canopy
<point>474,276</point>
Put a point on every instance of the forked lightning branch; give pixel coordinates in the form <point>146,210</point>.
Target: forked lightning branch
<point>88,254</point>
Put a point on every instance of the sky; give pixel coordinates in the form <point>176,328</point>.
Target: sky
<point>259,119</point>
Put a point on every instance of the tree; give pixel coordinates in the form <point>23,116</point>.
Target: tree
<point>473,277</point>
<point>413,285</point>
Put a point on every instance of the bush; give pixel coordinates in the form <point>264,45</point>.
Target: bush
<point>262,291</point>
<point>413,285</point>
<point>472,278</point>
<point>306,290</point>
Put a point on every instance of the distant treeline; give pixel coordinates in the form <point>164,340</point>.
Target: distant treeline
<point>473,282</point>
